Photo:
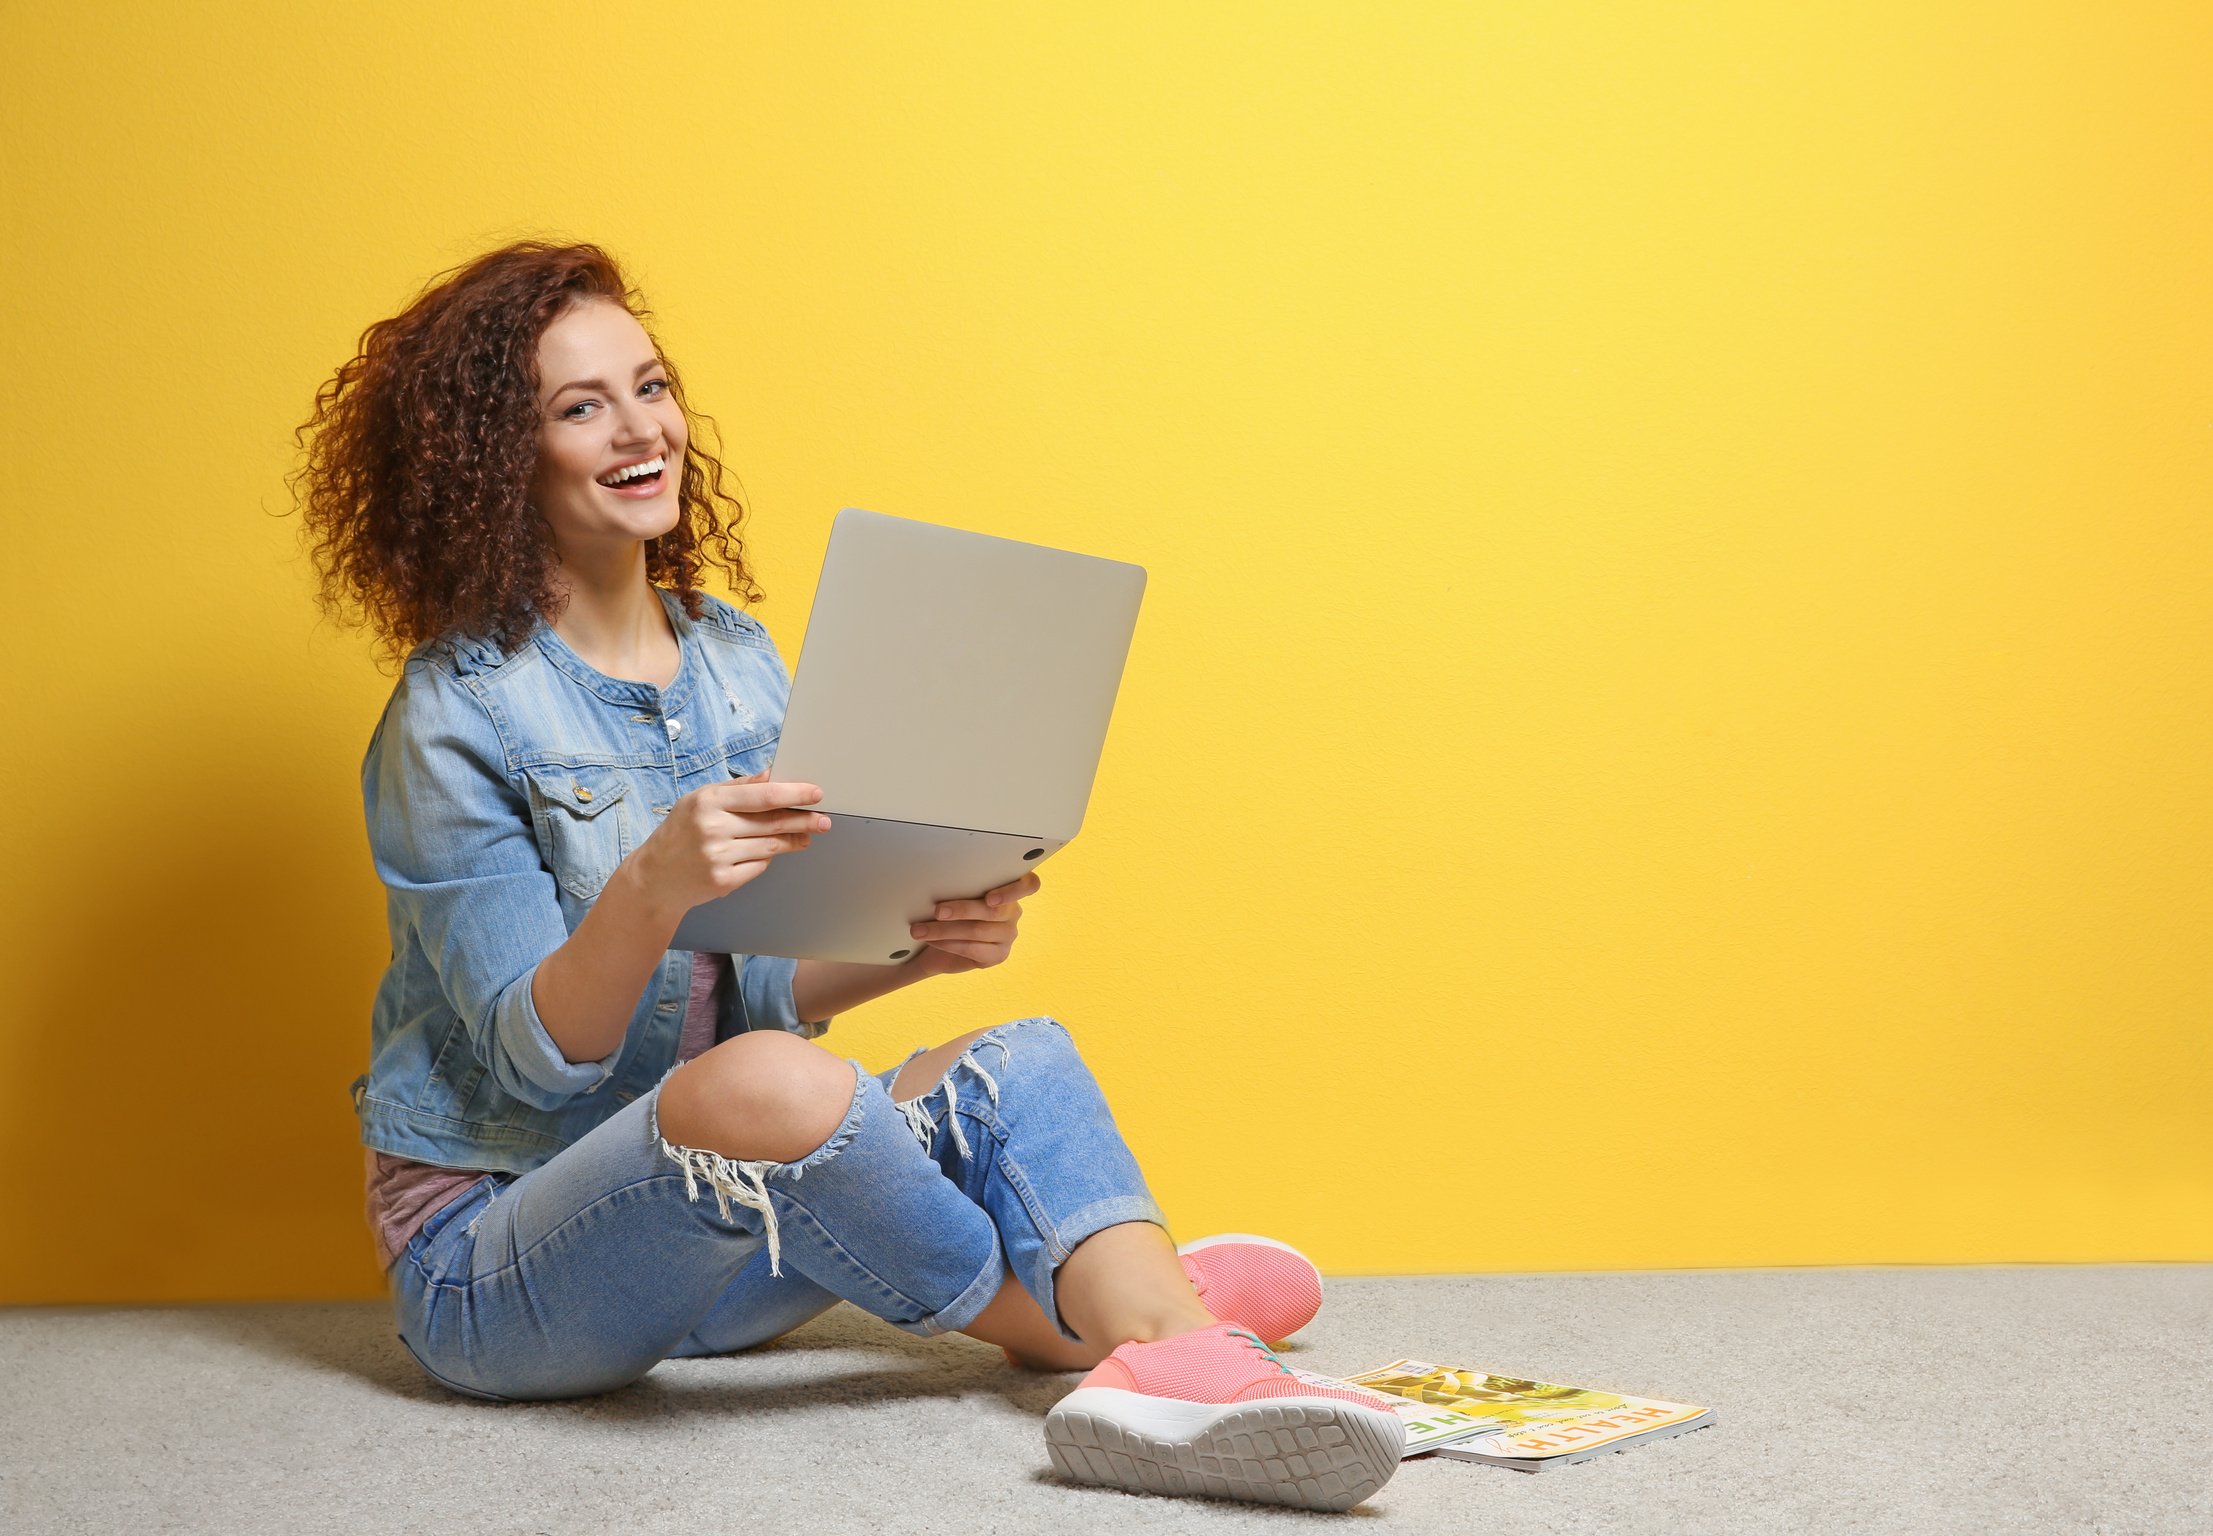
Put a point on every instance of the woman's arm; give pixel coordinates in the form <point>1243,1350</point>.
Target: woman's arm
<point>821,989</point>
<point>712,841</point>
<point>546,1009</point>
<point>586,991</point>
<point>592,982</point>
<point>451,838</point>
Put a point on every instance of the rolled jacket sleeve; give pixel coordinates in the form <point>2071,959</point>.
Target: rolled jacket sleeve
<point>764,991</point>
<point>451,836</point>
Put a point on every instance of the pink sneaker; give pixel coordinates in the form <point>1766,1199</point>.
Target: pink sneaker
<point>1268,1286</point>
<point>1214,1412</point>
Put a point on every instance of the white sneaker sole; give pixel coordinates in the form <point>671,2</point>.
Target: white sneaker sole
<point>1313,1452</point>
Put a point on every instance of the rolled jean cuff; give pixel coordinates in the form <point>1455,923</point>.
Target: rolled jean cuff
<point>1095,1217</point>
<point>964,1308</point>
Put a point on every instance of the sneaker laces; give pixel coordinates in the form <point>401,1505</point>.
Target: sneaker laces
<point>1260,1344</point>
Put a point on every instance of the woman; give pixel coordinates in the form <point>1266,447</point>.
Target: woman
<point>588,1152</point>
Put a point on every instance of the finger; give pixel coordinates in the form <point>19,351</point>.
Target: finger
<point>1014,891</point>
<point>759,794</point>
<point>978,908</point>
<point>762,823</point>
<point>982,954</point>
<point>993,933</point>
<point>756,850</point>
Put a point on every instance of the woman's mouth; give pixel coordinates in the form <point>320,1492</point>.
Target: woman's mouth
<point>636,482</point>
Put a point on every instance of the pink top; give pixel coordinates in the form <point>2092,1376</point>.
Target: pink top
<point>403,1194</point>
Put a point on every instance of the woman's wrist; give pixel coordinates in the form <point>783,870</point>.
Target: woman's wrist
<point>637,905</point>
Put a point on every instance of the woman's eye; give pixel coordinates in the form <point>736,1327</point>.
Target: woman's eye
<point>570,413</point>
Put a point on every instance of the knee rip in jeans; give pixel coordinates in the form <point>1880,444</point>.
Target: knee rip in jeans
<point>922,1122</point>
<point>745,1180</point>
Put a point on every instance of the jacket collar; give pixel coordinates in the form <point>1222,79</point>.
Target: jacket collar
<point>619,690</point>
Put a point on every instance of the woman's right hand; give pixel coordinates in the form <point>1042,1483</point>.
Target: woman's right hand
<point>714,840</point>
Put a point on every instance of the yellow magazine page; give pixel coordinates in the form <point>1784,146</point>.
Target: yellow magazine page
<point>1517,1417</point>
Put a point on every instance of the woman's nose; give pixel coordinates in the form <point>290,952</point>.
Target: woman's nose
<point>637,426</point>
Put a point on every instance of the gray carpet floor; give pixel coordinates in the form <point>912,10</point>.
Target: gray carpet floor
<point>1923,1400</point>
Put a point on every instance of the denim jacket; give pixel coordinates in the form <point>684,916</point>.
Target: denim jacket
<point>502,788</point>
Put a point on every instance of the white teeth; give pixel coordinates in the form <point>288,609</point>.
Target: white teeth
<point>633,472</point>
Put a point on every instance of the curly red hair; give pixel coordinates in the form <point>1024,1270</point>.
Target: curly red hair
<point>415,493</point>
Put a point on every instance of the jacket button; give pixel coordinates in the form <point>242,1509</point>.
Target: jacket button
<point>583,794</point>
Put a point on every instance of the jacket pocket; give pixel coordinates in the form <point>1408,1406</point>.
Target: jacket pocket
<point>585,822</point>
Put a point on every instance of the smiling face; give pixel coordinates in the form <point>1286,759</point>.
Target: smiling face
<point>604,402</point>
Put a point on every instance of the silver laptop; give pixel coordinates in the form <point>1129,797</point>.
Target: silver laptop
<point>951,699</point>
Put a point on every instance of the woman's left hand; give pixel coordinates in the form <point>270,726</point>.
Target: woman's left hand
<point>968,935</point>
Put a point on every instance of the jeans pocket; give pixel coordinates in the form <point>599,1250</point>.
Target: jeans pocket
<point>437,1260</point>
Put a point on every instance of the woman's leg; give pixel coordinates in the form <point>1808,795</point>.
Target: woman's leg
<point>758,1307</point>
<point>580,1275</point>
<point>1030,1138</point>
<point>1123,1282</point>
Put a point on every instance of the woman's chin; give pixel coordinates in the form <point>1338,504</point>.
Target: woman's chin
<point>609,534</point>
<point>659,519</point>
<point>634,522</point>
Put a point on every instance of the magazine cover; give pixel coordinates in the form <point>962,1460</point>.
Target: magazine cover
<point>1510,1420</point>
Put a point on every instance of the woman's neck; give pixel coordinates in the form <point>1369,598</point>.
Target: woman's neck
<point>613,618</point>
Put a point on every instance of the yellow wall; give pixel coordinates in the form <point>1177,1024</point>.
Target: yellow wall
<point>1670,722</point>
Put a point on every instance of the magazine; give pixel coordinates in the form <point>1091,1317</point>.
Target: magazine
<point>1510,1421</point>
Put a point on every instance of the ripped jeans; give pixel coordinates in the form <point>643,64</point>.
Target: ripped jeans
<point>623,1250</point>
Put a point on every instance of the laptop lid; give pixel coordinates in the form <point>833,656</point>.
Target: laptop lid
<point>957,679</point>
